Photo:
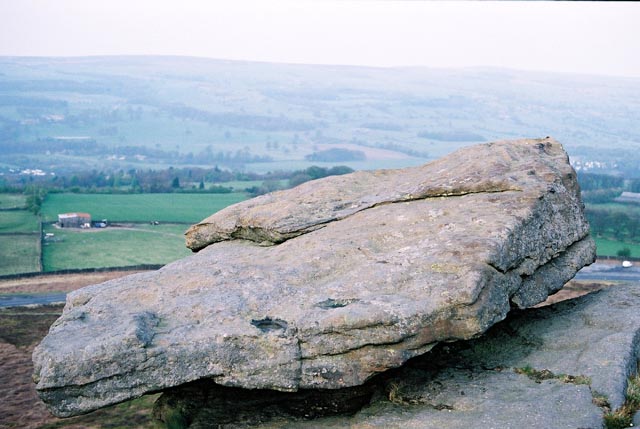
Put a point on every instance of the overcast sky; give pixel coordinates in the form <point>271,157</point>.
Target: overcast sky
<point>592,37</point>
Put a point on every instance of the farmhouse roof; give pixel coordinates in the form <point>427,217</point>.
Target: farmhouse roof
<point>72,215</point>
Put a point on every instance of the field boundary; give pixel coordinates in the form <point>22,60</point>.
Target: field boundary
<point>619,258</point>
<point>139,267</point>
<point>18,233</point>
<point>40,247</point>
<point>115,221</point>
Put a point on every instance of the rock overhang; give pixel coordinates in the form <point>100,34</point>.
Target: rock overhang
<point>371,277</point>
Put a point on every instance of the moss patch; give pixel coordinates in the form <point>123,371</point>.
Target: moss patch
<point>545,374</point>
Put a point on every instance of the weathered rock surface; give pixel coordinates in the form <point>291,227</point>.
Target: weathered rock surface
<point>494,167</point>
<point>552,367</point>
<point>374,269</point>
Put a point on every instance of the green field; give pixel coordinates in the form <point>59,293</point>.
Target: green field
<point>19,237</point>
<point>11,201</point>
<point>18,221</point>
<point>628,208</point>
<point>189,208</point>
<point>244,184</point>
<point>611,247</point>
<point>19,253</point>
<point>136,244</point>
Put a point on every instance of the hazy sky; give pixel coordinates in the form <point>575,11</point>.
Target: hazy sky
<point>592,37</point>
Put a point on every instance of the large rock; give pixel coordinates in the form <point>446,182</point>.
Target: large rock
<point>494,167</point>
<point>560,367</point>
<point>371,269</point>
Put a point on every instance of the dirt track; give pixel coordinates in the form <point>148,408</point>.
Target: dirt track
<point>58,282</point>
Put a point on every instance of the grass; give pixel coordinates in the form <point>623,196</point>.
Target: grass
<point>11,201</point>
<point>19,253</point>
<point>242,185</point>
<point>113,247</point>
<point>189,208</point>
<point>622,417</point>
<point>628,208</point>
<point>18,221</point>
<point>607,247</point>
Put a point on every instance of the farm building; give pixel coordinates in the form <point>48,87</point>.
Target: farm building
<point>628,197</point>
<point>74,220</point>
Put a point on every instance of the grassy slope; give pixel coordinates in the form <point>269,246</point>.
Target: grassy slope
<point>10,201</point>
<point>140,207</point>
<point>608,245</point>
<point>611,248</point>
<point>18,221</point>
<point>19,253</point>
<point>113,247</point>
<point>293,108</point>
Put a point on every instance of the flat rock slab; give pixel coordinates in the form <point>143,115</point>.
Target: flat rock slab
<point>493,167</point>
<point>553,367</point>
<point>337,302</point>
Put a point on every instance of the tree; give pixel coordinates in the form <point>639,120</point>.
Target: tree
<point>35,198</point>
<point>175,184</point>
<point>625,252</point>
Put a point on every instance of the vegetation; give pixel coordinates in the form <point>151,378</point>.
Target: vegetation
<point>614,225</point>
<point>65,116</point>
<point>35,198</point>
<point>545,374</point>
<point>618,419</point>
<point>135,244</point>
<point>19,253</point>
<point>188,208</point>
<point>612,248</point>
<point>337,155</point>
<point>170,180</point>
<point>619,225</point>
<point>19,237</point>
<point>594,181</point>
<point>92,126</point>
<point>12,201</point>
<point>622,417</point>
<point>625,252</point>
<point>116,247</point>
<point>18,221</point>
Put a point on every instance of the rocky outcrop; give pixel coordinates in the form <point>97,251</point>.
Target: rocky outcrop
<point>362,272</point>
<point>490,168</point>
<point>560,367</point>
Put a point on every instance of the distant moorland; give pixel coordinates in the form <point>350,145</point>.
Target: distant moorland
<point>173,139</point>
<point>65,115</point>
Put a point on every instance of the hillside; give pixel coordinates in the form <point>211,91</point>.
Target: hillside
<point>61,115</point>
